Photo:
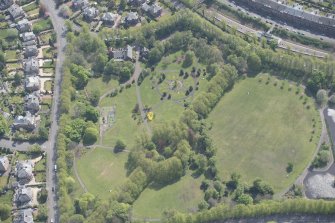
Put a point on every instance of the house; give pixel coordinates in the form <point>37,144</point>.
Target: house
<point>295,16</point>
<point>144,52</point>
<point>23,26</point>
<point>31,66</point>
<point>122,53</point>
<point>135,2</point>
<point>132,18</point>
<point>29,43</point>
<point>90,13</point>
<point>79,4</point>
<point>24,216</point>
<point>4,164</point>
<point>153,10</point>
<point>4,4</point>
<point>25,122</point>
<point>30,51</point>
<point>28,36</point>
<point>23,196</point>
<point>24,171</point>
<point>109,18</point>
<point>32,102</point>
<point>16,12</point>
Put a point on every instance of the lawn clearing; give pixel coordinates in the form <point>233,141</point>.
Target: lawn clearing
<point>258,128</point>
<point>184,196</point>
<point>102,170</point>
<point>48,52</point>
<point>42,25</point>
<point>30,7</point>
<point>11,55</point>
<point>125,127</point>
<point>101,85</point>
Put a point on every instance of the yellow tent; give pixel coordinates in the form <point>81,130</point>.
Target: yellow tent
<point>150,116</point>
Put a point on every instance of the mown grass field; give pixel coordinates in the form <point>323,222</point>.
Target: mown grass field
<point>102,170</point>
<point>258,128</point>
<point>184,196</point>
<point>170,109</point>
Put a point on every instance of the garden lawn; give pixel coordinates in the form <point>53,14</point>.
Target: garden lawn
<point>101,85</point>
<point>258,128</point>
<point>42,25</point>
<point>48,86</point>
<point>125,127</point>
<point>184,196</point>
<point>102,170</point>
<point>10,55</point>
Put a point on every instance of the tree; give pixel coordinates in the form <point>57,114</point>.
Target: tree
<point>4,212</point>
<point>155,56</point>
<point>42,214</point>
<point>123,4</point>
<point>321,97</point>
<point>100,63</point>
<point>90,136</point>
<point>95,97</point>
<point>332,100</point>
<point>42,10</point>
<point>35,149</point>
<point>42,196</point>
<point>65,11</point>
<point>203,205</point>
<point>91,114</point>
<point>76,218</point>
<point>119,146</point>
<point>245,199</point>
<point>254,63</point>
<point>80,76</point>
<point>289,167</point>
<point>3,125</point>
<point>17,79</point>
<point>189,57</point>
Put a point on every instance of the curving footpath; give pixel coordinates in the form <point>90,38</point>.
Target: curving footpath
<point>59,25</point>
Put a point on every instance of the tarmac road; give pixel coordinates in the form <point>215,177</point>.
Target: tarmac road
<point>59,25</point>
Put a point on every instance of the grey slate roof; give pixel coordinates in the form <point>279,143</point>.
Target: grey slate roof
<point>90,13</point>
<point>109,17</point>
<point>23,195</point>
<point>28,36</point>
<point>31,66</point>
<point>24,170</point>
<point>32,102</point>
<point>80,4</point>
<point>23,25</point>
<point>295,12</point>
<point>15,11</point>
<point>4,4</point>
<point>31,51</point>
<point>132,18</point>
<point>32,83</point>
<point>4,163</point>
<point>123,53</point>
<point>24,216</point>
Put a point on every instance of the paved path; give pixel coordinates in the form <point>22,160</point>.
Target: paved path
<point>77,175</point>
<point>323,137</point>
<point>58,24</point>
<point>135,76</point>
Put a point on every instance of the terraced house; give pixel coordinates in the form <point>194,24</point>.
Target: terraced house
<point>293,16</point>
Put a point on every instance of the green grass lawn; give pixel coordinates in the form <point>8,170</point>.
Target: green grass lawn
<point>101,85</point>
<point>45,37</point>
<point>102,170</point>
<point>10,55</point>
<point>124,127</point>
<point>33,12</point>
<point>30,7</point>
<point>184,196</point>
<point>42,25</point>
<point>170,109</point>
<point>48,52</point>
<point>258,128</point>
<point>48,86</point>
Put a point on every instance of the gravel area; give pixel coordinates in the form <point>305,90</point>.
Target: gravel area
<point>321,186</point>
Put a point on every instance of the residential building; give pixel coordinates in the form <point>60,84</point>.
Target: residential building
<point>132,18</point>
<point>295,16</point>
<point>23,196</point>
<point>30,51</point>
<point>4,4</point>
<point>122,53</point>
<point>32,102</point>
<point>109,18</point>
<point>153,10</point>
<point>32,83</point>
<point>24,216</point>
<point>90,13</point>
<point>29,43</point>
<point>25,122</point>
<point>24,171</point>
<point>135,2</point>
<point>4,164</point>
<point>80,4</point>
<point>31,66</point>
<point>16,12</point>
<point>23,26</point>
<point>28,36</point>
